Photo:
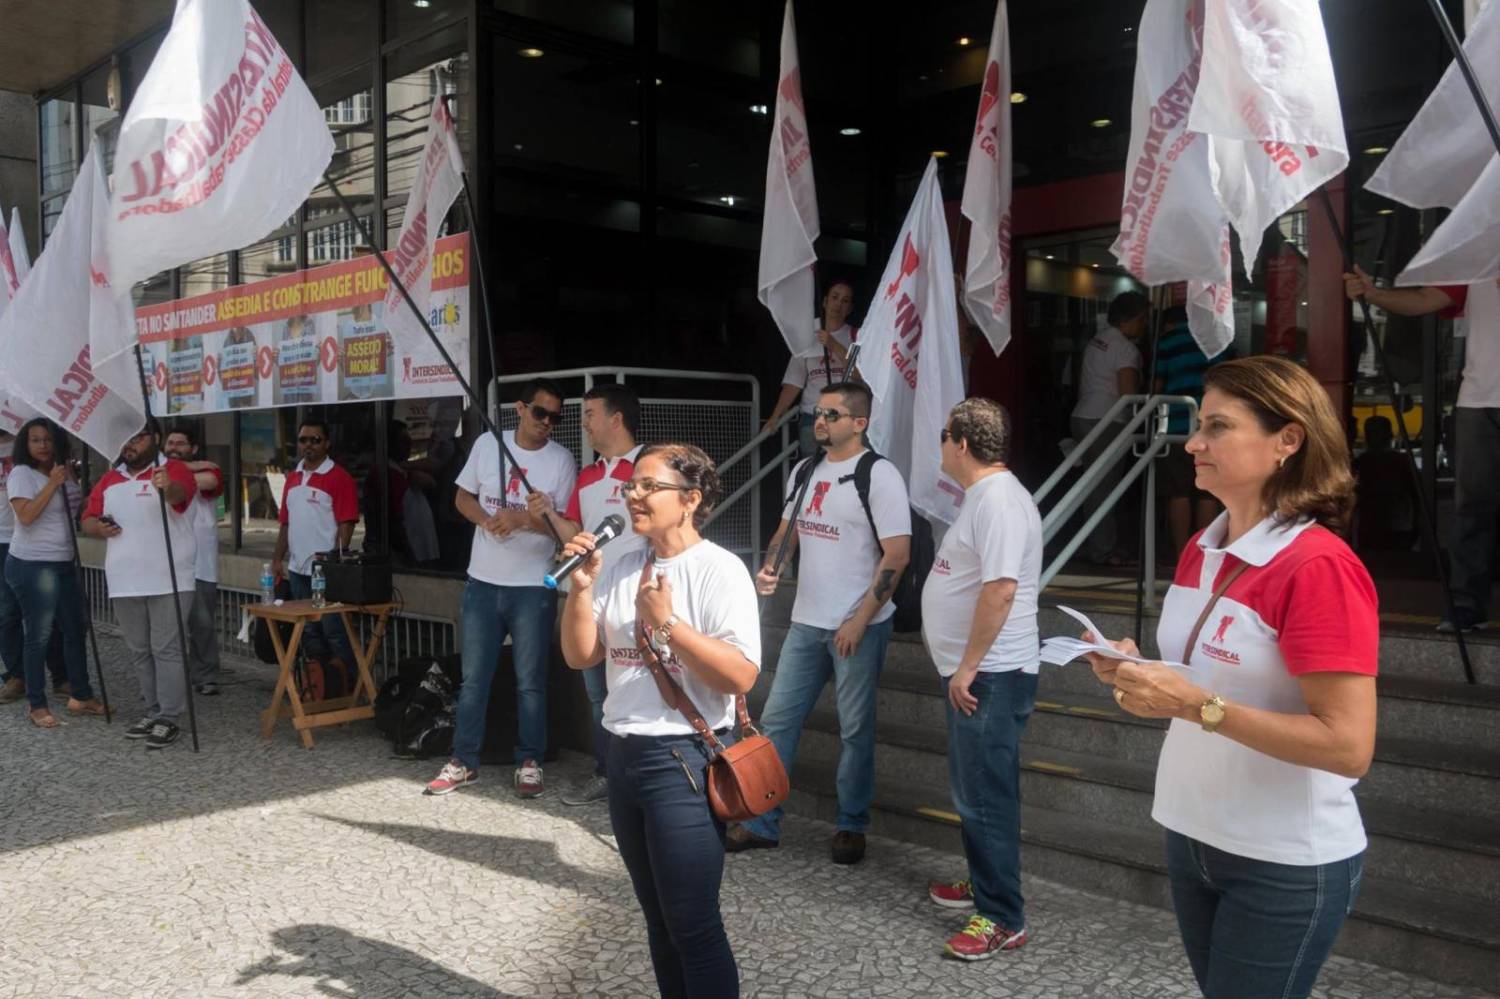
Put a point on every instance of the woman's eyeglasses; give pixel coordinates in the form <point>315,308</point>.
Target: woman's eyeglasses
<point>546,415</point>
<point>645,487</point>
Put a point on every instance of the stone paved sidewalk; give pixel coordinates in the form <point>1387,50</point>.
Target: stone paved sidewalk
<point>262,869</point>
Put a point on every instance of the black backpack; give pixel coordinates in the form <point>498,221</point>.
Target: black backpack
<point>908,595</point>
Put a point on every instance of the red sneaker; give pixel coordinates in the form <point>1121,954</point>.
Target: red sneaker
<point>952,894</point>
<point>981,938</point>
<point>453,776</point>
<point>528,779</point>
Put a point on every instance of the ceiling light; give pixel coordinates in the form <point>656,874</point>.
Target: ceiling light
<point>1051,257</point>
<point>421,4</point>
<point>940,153</point>
<point>1377,150</point>
<point>754,108</point>
<point>519,147</point>
<point>1017,97</point>
<point>1386,211</point>
<point>965,41</point>
<point>851,130</point>
<point>1304,303</point>
<point>1095,266</point>
<point>531,53</point>
<point>1101,123</point>
<point>635,121</point>
<point>727,199</point>
<point>658,81</point>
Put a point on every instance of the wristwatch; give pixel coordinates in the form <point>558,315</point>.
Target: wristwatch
<point>664,631</point>
<point>1211,713</point>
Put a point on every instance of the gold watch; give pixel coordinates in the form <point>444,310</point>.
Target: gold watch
<point>1211,713</point>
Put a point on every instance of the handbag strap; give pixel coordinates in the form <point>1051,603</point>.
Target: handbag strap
<point>1229,577</point>
<point>673,694</point>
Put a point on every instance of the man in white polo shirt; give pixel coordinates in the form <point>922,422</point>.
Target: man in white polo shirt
<point>512,551</point>
<point>611,419</point>
<point>854,530</point>
<point>203,643</point>
<point>979,609</point>
<point>125,510</point>
<point>319,508</point>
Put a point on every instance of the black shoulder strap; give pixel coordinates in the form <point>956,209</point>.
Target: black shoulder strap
<point>800,475</point>
<point>861,476</point>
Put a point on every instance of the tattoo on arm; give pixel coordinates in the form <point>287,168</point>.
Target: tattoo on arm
<point>885,585</point>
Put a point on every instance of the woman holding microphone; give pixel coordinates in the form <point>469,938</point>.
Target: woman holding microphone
<point>1275,721</point>
<point>692,604</point>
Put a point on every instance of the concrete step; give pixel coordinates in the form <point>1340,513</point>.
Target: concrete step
<point>1428,847</point>
<point>1423,931</point>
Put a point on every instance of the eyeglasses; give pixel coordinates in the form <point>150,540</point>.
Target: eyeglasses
<point>546,415</point>
<point>831,415</point>
<point>648,486</point>
<point>309,440</point>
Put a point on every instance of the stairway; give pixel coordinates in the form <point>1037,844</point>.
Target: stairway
<point>1430,900</point>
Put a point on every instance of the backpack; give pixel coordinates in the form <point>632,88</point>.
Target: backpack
<point>908,595</point>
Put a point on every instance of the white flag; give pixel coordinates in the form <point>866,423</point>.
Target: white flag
<point>439,183</point>
<point>13,412</point>
<point>1446,159</point>
<point>986,201</point>
<point>909,353</point>
<point>62,305</point>
<point>790,221</point>
<point>10,280</point>
<point>18,254</point>
<point>1235,120</point>
<point>221,144</point>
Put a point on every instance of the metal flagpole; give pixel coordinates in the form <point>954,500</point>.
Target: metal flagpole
<point>1462,58</point>
<point>166,533</point>
<point>88,615</point>
<point>1424,513</point>
<point>463,382</point>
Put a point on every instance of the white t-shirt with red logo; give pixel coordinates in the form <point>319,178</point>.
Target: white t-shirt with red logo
<point>998,535</point>
<point>206,528</point>
<point>1106,354</point>
<point>523,557</point>
<point>1305,605</point>
<point>599,494</point>
<point>807,371</point>
<point>313,505</point>
<point>135,560</point>
<point>713,594</point>
<point>7,512</point>
<point>47,538</point>
<point>839,551</point>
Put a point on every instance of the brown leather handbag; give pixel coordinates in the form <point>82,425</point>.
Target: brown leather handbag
<point>744,780</point>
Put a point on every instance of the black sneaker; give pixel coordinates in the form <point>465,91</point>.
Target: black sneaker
<point>140,729</point>
<point>848,847</point>
<point>1468,620</point>
<point>163,734</point>
<point>209,689</point>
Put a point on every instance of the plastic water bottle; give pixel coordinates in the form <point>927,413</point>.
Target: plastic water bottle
<point>319,587</point>
<point>267,584</point>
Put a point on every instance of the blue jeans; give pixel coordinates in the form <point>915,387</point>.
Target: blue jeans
<point>984,769</point>
<point>1253,928</point>
<point>323,639</point>
<point>673,848</point>
<point>12,634</point>
<point>50,595</point>
<point>803,668</point>
<point>526,614</point>
<point>596,684</point>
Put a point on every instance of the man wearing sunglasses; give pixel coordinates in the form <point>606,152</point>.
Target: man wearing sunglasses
<point>319,508</point>
<point>512,551</point>
<point>854,529</point>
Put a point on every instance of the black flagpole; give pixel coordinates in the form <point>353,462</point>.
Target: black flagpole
<point>88,614</point>
<point>1148,510</point>
<point>463,382</point>
<point>1424,513</point>
<point>1467,69</point>
<point>166,533</point>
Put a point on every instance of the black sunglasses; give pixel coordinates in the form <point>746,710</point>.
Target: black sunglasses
<point>831,415</point>
<point>309,440</point>
<point>547,415</point>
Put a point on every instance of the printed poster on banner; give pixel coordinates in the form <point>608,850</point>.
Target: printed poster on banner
<point>314,337</point>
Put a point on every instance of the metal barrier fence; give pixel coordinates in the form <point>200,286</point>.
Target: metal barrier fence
<point>406,634</point>
<point>720,427</point>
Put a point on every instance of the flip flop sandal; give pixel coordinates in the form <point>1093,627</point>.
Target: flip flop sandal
<point>43,719</point>
<point>89,707</point>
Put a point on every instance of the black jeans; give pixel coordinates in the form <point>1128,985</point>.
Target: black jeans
<point>673,848</point>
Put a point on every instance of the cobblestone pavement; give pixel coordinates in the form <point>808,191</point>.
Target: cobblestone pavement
<point>261,869</point>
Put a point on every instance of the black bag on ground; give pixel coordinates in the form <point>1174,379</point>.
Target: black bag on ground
<point>425,726</point>
<point>260,633</point>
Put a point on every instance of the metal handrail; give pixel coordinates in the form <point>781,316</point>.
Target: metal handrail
<point>759,471</point>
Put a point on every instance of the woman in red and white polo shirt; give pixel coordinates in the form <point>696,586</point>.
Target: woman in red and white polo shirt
<point>1275,722</point>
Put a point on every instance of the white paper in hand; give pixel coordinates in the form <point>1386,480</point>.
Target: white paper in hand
<point>1063,649</point>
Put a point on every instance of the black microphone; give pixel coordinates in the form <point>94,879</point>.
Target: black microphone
<point>612,527</point>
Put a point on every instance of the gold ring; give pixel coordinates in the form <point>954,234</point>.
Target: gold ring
<point>1119,697</point>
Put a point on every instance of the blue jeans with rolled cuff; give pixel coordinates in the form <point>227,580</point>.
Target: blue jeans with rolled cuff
<point>673,847</point>
<point>51,595</point>
<point>1254,929</point>
<point>984,770</point>
<point>804,666</point>
<point>320,639</point>
<point>490,613</point>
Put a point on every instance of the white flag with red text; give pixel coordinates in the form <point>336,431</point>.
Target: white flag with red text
<point>10,279</point>
<point>18,255</point>
<point>909,353</point>
<point>439,183</point>
<point>64,303</point>
<point>790,221</point>
<point>13,412</point>
<point>1447,159</point>
<point>986,200</point>
<point>222,142</point>
<point>1235,120</point>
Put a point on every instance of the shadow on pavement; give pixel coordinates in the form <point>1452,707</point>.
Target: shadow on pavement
<point>360,966</point>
